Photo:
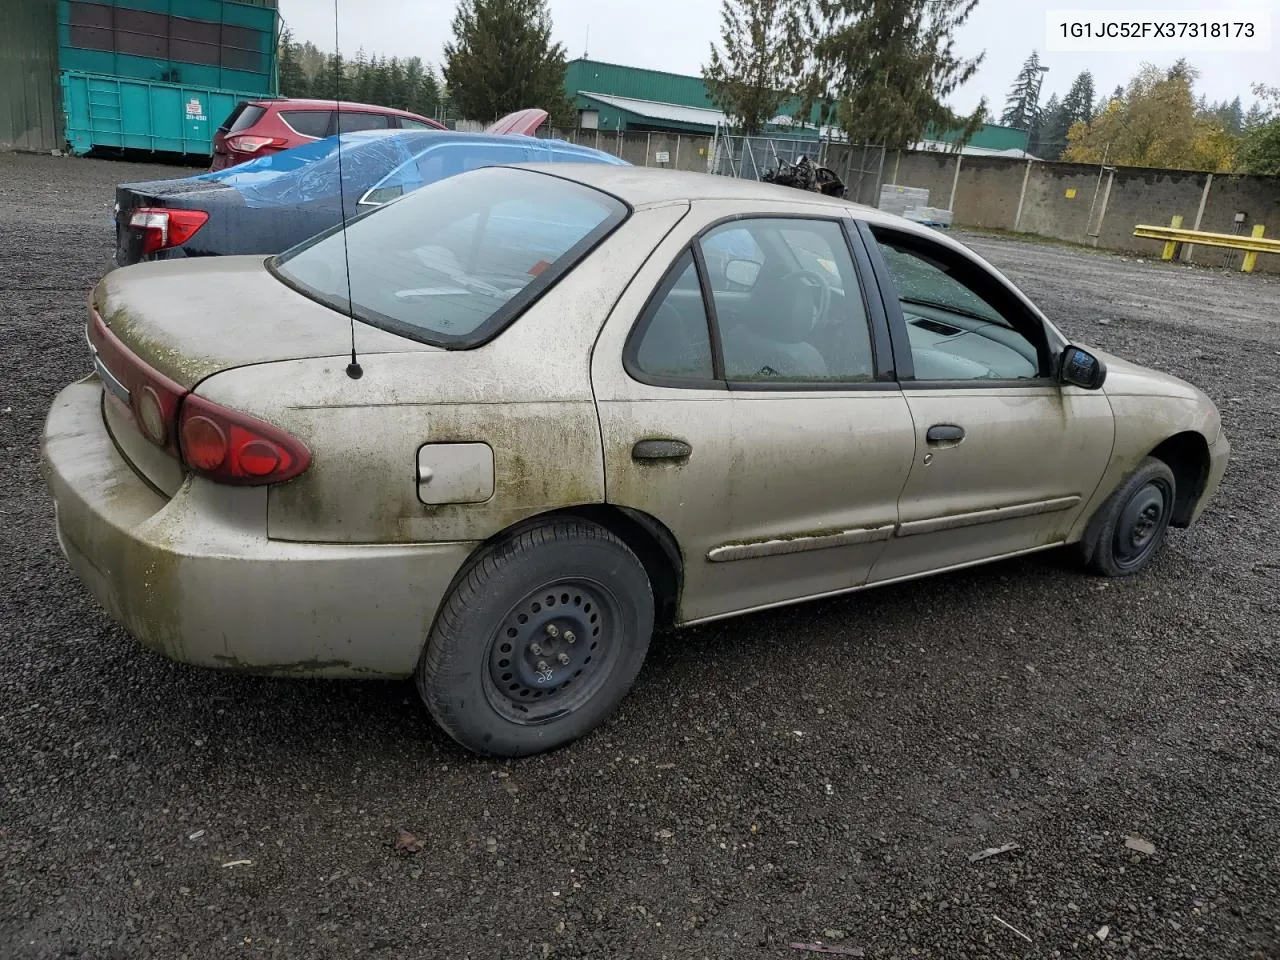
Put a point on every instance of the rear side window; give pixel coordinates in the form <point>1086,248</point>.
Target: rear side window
<point>440,161</point>
<point>673,340</point>
<point>351,122</point>
<point>453,263</point>
<point>408,123</point>
<point>243,117</point>
<point>309,123</point>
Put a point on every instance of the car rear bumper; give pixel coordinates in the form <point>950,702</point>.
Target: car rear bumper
<point>196,578</point>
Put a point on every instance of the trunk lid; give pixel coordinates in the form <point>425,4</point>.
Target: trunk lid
<point>168,326</point>
<point>206,195</point>
<point>193,318</point>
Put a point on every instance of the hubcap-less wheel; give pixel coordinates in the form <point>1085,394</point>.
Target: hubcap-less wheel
<point>554,650</point>
<point>1141,523</point>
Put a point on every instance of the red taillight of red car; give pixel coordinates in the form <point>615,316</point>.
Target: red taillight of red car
<point>162,228</point>
<point>231,447</point>
<point>247,143</point>
<point>150,396</point>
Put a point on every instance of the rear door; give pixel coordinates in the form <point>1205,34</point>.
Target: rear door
<point>1005,457</point>
<point>753,416</point>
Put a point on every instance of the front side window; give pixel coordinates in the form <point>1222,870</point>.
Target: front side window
<point>453,263</point>
<point>788,304</point>
<point>959,324</point>
<point>672,340</point>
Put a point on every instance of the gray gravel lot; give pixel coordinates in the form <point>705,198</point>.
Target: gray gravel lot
<point>808,774</point>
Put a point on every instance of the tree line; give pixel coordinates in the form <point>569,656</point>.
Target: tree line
<point>879,71</point>
<point>1153,121</point>
<point>409,84</point>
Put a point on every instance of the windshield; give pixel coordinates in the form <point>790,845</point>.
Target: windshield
<point>455,262</point>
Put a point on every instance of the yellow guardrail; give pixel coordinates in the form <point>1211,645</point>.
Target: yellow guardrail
<point>1174,236</point>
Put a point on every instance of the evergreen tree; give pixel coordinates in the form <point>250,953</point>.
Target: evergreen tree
<point>1053,130</point>
<point>882,70</point>
<point>1022,106</point>
<point>293,81</point>
<point>749,81</point>
<point>1260,149</point>
<point>1077,105</point>
<point>501,59</point>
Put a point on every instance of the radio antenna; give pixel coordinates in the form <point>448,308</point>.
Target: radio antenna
<point>354,370</point>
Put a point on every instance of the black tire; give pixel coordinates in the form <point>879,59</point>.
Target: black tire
<point>1129,529</point>
<point>477,674</point>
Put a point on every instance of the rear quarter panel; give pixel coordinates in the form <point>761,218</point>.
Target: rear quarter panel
<point>527,394</point>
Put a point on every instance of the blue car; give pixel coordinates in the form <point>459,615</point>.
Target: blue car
<point>270,204</point>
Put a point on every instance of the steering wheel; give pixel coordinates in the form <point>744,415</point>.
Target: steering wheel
<point>814,281</point>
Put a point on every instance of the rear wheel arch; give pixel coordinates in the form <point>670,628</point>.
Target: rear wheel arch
<point>646,536</point>
<point>1187,455</point>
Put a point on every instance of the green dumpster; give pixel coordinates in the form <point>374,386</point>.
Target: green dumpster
<point>161,75</point>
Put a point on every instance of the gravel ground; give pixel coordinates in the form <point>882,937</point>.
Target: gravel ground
<point>819,773</point>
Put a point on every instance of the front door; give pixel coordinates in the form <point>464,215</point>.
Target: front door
<point>744,405</point>
<point>1005,457</point>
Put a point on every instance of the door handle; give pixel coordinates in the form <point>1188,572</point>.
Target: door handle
<point>665,449</point>
<point>945,433</point>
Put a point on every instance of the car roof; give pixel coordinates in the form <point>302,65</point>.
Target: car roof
<point>425,137</point>
<point>303,103</point>
<point>645,186</point>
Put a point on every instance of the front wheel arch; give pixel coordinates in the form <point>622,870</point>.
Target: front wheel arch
<point>1187,455</point>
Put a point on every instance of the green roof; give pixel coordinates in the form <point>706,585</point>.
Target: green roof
<point>587,80</point>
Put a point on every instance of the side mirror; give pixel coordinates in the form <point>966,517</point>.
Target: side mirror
<point>1080,368</point>
<point>742,273</point>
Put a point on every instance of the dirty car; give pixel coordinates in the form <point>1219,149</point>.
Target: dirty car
<point>549,409</point>
<point>269,204</point>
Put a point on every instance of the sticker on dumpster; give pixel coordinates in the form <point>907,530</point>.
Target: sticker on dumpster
<point>662,156</point>
<point>1071,193</point>
<point>195,109</point>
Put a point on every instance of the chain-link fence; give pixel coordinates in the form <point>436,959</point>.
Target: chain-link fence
<point>859,166</point>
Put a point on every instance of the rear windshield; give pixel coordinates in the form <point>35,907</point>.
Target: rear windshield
<point>243,117</point>
<point>455,262</point>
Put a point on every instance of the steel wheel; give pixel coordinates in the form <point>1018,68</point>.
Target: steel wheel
<point>553,651</point>
<point>539,639</point>
<point>1128,530</point>
<point>1141,523</point>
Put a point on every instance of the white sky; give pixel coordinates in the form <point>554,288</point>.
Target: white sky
<point>675,35</point>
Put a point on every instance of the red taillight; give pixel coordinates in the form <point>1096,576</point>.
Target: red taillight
<point>162,228</point>
<point>221,444</point>
<point>151,397</point>
<point>251,144</point>
<point>232,447</point>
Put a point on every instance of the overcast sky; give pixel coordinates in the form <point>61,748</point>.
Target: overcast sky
<point>674,35</point>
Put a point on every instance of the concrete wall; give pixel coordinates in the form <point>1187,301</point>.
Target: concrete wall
<point>1082,204</point>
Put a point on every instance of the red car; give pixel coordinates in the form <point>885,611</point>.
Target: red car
<point>259,127</point>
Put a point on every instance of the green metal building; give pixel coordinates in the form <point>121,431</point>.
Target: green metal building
<point>610,97</point>
<point>147,75</point>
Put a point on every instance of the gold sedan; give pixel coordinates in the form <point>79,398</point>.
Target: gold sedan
<point>504,426</point>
